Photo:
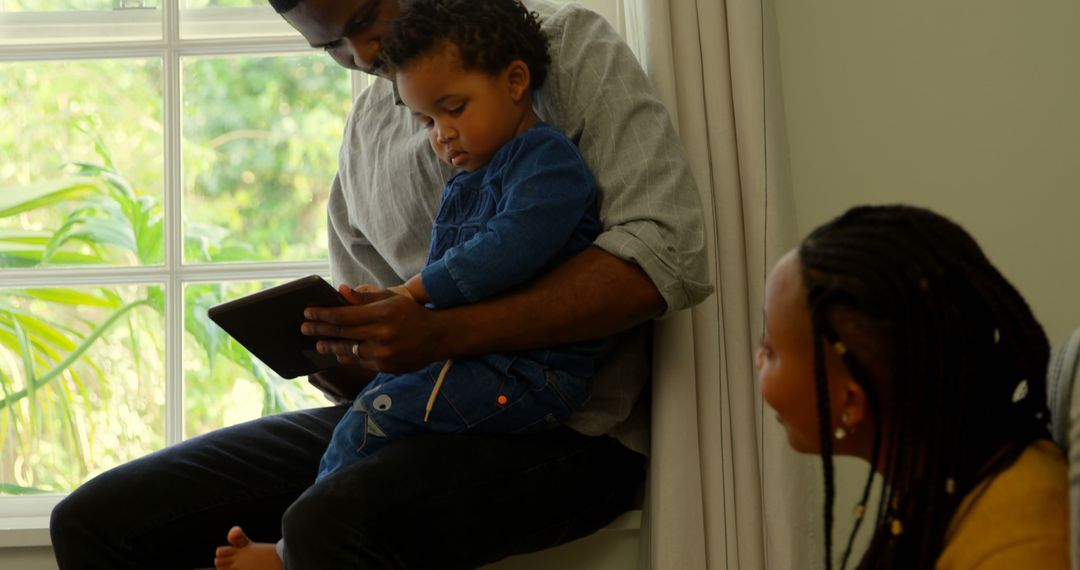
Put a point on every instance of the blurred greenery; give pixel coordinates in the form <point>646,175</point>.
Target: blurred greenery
<point>82,368</point>
<point>225,3</point>
<point>260,136</point>
<point>51,5</point>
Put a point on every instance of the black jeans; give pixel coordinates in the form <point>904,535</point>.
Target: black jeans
<point>431,501</point>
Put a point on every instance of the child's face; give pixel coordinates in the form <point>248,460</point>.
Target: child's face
<point>468,114</point>
<point>785,360</point>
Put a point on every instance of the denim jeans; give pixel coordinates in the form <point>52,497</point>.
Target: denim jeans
<point>431,501</point>
<point>488,394</point>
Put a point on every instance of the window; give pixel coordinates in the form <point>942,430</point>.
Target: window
<point>156,157</point>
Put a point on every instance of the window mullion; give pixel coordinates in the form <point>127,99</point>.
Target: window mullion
<point>173,188</point>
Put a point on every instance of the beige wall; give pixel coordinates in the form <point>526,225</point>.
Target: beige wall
<point>30,558</point>
<point>969,107</point>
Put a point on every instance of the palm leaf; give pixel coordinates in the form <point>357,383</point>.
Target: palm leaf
<point>73,297</point>
<point>48,332</point>
<point>99,144</point>
<point>24,351</point>
<point>24,237</point>
<point>13,489</point>
<point>22,258</point>
<point>34,382</point>
<point>19,199</point>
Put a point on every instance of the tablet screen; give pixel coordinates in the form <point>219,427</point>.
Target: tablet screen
<point>267,323</point>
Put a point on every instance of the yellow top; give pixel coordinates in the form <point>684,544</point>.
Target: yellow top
<point>1019,521</point>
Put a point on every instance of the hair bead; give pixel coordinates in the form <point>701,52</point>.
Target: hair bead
<point>1020,392</point>
<point>896,527</point>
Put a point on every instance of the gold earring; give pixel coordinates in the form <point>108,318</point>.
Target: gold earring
<point>840,432</point>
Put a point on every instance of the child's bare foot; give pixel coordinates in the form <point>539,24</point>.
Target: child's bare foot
<point>242,554</point>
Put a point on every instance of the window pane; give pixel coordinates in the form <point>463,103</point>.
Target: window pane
<point>232,19</point>
<point>75,21</point>
<point>227,3</point>
<point>223,383</point>
<point>54,5</point>
<point>81,175</point>
<point>259,152</point>
<point>81,383</point>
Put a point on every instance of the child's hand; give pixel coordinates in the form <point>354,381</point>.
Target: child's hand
<point>403,291</point>
<point>351,294</point>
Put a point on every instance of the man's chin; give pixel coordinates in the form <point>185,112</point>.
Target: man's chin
<point>377,71</point>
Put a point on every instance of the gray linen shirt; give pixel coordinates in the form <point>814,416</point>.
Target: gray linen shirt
<point>385,196</point>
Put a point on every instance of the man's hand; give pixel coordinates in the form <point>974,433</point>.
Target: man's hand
<point>382,331</point>
<point>591,295</point>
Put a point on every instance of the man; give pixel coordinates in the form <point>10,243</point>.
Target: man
<point>439,501</point>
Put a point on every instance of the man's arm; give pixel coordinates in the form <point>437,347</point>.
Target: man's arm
<point>599,96</point>
<point>591,295</point>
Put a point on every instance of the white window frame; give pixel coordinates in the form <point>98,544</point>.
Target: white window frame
<point>24,520</point>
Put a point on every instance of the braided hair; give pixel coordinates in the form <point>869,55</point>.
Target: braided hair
<point>933,332</point>
<point>488,35</point>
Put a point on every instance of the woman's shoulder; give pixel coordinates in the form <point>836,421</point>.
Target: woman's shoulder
<point>1018,519</point>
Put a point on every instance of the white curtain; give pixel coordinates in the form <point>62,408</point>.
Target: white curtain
<point>725,490</point>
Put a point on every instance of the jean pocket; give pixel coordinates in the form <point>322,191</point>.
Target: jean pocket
<point>572,390</point>
<point>546,397</point>
<point>474,390</point>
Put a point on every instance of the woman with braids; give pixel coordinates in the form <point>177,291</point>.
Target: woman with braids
<point>891,337</point>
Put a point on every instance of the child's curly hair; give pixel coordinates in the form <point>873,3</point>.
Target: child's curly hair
<point>488,34</point>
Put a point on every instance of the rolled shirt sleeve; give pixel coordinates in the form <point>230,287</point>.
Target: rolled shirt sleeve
<point>598,94</point>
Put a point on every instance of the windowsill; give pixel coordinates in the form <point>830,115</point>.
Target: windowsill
<point>630,520</point>
<point>25,520</point>
<point>16,532</point>
<point>24,531</point>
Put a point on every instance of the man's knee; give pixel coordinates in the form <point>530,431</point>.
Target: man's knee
<point>304,516</point>
<point>68,519</point>
<point>321,525</point>
<point>75,527</point>
<point>76,514</point>
<point>100,507</point>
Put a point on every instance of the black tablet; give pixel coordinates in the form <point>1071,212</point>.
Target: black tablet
<point>267,323</point>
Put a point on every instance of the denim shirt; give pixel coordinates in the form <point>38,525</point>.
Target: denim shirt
<point>531,207</point>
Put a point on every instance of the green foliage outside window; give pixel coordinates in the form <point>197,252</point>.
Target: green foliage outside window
<point>81,175</point>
